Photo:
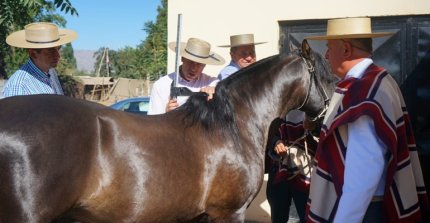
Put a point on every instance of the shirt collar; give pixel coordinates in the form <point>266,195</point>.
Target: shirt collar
<point>358,70</point>
<point>38,72</point>
<point>234,64</point>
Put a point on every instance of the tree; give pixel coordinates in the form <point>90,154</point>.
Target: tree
<point>151,59</point>
<point>15,14</point>
<point>67,63</point>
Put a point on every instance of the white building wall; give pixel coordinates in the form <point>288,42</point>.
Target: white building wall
<point>215,20</point>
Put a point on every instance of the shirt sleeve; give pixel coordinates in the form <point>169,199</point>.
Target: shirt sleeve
<point>364,167</point>
<point>214,82</point>
<point>12,88</point>
<point>156,103</point>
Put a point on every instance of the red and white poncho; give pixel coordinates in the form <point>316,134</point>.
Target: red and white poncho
<point>376,95</point>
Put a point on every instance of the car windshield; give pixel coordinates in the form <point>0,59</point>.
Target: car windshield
<point>138,106</point>
<point>133,105</point>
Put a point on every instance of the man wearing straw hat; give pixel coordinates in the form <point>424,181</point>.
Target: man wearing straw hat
<point>195,54</point>
<point>38,76</point>
<point>242,52</point>
<point>367,166</point>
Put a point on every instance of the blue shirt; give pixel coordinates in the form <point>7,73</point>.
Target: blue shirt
<point>29,79</point>
<point>228,70</point>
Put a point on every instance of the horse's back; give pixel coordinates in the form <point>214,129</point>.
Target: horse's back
<point>80,160</point>
<point>45,155</point>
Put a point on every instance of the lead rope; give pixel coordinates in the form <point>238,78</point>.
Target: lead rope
<point>309,161</point>
<point>308,157</point>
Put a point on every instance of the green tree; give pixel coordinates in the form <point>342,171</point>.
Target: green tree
<point>67,63</point>
<point>151,61</point>
<point>15,14</point>
<point>121,63</point>
<point>125,63</point>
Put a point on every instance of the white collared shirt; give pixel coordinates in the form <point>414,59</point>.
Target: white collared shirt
<point>160,93</point>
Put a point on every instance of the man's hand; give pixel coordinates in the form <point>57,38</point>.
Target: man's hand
<point>208,90</point>
<point>280,148</point>
<point>172,104</point>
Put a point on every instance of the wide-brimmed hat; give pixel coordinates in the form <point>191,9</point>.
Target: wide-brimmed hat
<point>41,35</point>
<point>198,51</point>
<point>241,40</point>
<point>349,28</point>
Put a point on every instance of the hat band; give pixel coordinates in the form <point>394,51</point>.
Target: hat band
<point>42,41</point>
<point>202,57</point>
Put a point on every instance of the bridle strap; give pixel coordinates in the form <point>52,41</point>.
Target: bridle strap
<point>312,74</point>
<point>311,70</point>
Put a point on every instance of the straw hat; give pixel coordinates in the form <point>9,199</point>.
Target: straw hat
<point>198,51</point>
<point>242,39</point>
<point>349,28</point>
<point>40,35</point>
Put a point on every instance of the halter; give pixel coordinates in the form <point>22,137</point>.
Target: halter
<point>312,73</point>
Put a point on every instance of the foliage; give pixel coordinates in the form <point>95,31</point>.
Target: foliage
<point>152,55</point>
<point>16,58</point>
<point>66,6</point>
<point>67,63</point>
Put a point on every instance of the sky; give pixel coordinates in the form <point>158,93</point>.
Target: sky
<point>110,23</point>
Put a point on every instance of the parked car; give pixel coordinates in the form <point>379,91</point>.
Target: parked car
<point>138,105</point>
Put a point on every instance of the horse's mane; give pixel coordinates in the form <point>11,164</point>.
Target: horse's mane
<point>218,113</point>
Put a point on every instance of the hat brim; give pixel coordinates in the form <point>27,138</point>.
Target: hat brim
<point>17,39</point>
<point>214,59</point>
<point>350,36</point>
<point>245,44</point>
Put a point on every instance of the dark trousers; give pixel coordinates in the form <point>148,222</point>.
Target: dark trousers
<point>280,196</point>
<point>374,213</point>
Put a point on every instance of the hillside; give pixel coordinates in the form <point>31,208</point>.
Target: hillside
<point>85,60</point>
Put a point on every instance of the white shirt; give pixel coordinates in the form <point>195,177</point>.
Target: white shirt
<point>160,93</point>
<point>365,164</point>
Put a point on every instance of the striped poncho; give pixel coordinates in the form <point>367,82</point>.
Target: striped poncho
<point>376,95</point>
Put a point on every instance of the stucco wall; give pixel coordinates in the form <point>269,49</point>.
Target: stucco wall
<point>215,21</point>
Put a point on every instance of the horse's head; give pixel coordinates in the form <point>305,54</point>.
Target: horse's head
<point>321,83</point>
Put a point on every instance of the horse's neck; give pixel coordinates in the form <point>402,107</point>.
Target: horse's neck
<point>256,109</point>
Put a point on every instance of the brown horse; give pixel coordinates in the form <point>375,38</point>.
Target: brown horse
<point>69,160</point>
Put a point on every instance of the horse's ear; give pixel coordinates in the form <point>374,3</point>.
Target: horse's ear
<point>292,47</point>
<point>306,50</point>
